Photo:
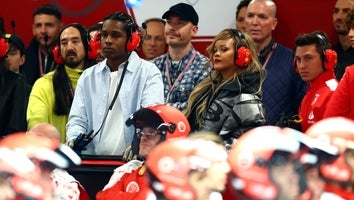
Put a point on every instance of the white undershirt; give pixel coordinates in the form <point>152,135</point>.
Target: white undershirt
<point>112,141</point>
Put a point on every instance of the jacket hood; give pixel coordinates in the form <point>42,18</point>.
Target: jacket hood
<point>248,84</point>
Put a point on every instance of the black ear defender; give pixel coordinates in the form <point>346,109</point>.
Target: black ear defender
<point>243,55</point>
<point>143,25</point>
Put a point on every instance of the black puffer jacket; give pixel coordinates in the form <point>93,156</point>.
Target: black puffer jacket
<point>234,110</point>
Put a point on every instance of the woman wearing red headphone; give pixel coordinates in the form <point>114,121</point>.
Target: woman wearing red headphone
<point>228,102</point>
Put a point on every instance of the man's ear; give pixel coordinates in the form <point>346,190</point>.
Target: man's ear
<point>194,30</point>
<point>23,59</point>
<point>197,176</point>
<point>33,29</point>
<point>275,23</point>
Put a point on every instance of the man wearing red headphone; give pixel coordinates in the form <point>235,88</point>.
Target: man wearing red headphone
<point>110,91</point>
<point>52,94</point>
<point>315,62</point>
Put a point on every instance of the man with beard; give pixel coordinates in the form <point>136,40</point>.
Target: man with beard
<point>343,48</point>
<point>52,94</point>
<point>46,26</point>
<point>182,67</point>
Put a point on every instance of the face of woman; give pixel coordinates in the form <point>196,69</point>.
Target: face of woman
<point>223,59</point>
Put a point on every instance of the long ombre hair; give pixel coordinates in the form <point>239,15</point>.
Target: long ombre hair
<point>210,85</point>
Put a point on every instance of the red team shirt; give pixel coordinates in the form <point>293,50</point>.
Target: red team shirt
<point>314,103</point>
<point>126,183</point>
<point>341,103</point>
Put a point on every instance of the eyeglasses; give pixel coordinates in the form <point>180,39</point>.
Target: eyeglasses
<point>149,135</point>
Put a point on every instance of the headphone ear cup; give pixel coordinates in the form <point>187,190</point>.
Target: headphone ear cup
<point>3,47</point>
<point>56,54</point>
<point>330,61</point>
<point>92,53</point>
<point>133,42</point>
<point>244,57</point>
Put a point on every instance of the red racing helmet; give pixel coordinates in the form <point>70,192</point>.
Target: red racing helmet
<point>42,149</point>
<point>165,118</point>
<point>339,132</point>
<point>24,157</point>
<point>170,163</point>
<point>251,156</point>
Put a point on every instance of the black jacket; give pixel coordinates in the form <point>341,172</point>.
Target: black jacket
<point>233,110</point>
<point>30,69</point>
<point>14,95</point>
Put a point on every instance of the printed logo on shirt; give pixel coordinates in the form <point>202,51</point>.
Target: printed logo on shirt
<point>311,115</point>
<point>315,99</point>
<point>132,187</point>
<point>311,118</point>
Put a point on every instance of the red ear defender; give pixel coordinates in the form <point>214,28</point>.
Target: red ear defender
<point>92,53</point>
<point>95,44</point>
<point>97,39</point>
<point>133,42</point>
<point>56,54</point>
<point>244,56</point>
<point>330,56</point>
<point>3,47</point>
<point>330,59</point>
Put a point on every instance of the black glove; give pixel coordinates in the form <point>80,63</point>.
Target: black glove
<point>293,122</point>
<point>81,142</point>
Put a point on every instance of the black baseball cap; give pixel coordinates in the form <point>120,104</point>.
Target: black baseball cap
<point>16,41</point>
<point>145,117</point>
<point>184,11</point>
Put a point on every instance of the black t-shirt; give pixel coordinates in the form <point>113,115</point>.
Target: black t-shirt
<point>345,58</point>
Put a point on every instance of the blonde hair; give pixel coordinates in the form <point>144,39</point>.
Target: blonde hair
<point>207,135</point>
<point>212,83</point>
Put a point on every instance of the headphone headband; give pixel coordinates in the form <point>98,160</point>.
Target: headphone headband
<point>243,55</point>
<point>239,34</point>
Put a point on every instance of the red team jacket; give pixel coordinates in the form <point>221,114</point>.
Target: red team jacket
<point>314,103</point>
<point>340,192</point>
<point>342,101</point>
<point>126,182</point>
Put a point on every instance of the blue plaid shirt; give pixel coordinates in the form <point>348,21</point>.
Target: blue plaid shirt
<point>176,92</point>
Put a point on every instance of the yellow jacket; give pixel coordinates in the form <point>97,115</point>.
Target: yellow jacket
<point>41,102</point>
